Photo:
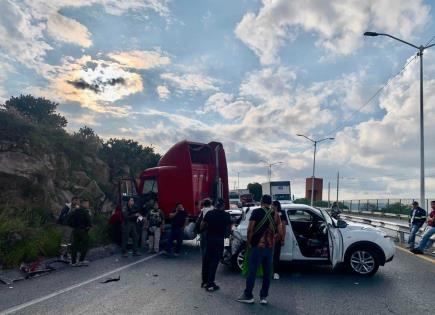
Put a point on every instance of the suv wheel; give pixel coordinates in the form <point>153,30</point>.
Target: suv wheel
<point>363,261</point>
<point>238,259</point>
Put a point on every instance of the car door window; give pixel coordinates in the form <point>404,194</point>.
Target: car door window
<point>299,215</point>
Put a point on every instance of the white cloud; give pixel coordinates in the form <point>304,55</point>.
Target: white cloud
<point>20,37</point>
<point>23,25</point>
<point>191,81</point>
<point>390,146</point>
<point>138,59</point>
<point>338,24</point>
<point>5,69</point>
<point>95,84</point>
<point>68,30</point>
<point>226,106</point>
<point>163,92</point>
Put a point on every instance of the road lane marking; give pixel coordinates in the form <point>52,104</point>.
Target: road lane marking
<point>431,260</point>
<point>75,286</point>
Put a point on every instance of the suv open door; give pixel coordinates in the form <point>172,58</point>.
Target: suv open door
<point>335,244</point>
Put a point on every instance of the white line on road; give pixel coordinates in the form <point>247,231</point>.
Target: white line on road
<point>75,286</point>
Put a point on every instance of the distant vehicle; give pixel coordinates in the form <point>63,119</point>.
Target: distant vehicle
<point>313,236</point>
<point>279,190</point>
<point>188,173</point>
<point>241,198</point>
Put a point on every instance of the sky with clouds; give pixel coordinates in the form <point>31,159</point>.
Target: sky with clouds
<point>251,74</point>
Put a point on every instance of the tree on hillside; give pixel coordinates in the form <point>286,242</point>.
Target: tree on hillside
<point>122,154</point>
<point>88,140</point>
<point>256,190</point>
<point>38,110</point>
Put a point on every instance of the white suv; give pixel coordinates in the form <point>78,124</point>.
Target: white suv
<point>312,235</point>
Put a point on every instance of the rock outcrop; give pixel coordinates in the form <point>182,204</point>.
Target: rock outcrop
<point>51,178</point>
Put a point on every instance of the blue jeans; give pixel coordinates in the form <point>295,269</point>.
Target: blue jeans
<point>413,231</point>
<point>264,257</point>
<point>426,238</point>
<point>176,235</point>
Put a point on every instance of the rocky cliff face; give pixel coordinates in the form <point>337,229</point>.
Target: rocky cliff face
<point>50,178</point>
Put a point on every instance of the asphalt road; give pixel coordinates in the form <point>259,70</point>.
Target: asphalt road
<point>159,285</point>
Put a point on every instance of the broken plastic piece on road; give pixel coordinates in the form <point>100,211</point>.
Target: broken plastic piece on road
<point>111,280</point>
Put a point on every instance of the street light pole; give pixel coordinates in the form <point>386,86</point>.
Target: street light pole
<point>314,161</point>
<point>420,49</point>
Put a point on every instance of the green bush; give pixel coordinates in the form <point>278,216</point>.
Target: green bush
<point>22,242</point>
<point>99,233</point>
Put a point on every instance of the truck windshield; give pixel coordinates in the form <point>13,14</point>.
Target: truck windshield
<point>150,185</point>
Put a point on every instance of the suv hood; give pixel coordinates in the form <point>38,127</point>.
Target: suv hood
<point>352,226</point>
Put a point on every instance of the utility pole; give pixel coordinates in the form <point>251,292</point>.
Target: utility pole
<point>270,172</point>
<point>338,185</point>
<point>314,161</point>
<point>329,194</point>
<point>238,180</point>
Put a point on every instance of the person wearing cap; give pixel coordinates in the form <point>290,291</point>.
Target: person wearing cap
<point>417,217</point>
<point>264,227</point>
<point>217,225</point>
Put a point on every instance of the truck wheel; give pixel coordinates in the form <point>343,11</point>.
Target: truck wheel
<point>237,259</point>
<point>363,261</point>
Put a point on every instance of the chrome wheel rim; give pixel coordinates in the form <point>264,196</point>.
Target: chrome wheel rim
<point>240,259</point>
<point>362,262</point>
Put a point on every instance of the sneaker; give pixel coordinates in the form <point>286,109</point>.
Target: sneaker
<point>74,264</point>
<point>245,299</point>
<point>263,301</point>
<point>83,263</point>
<point>212,288</point>
<point>203,285</point>
<point>276,276</point>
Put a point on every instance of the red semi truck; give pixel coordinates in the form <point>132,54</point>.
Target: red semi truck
<point>188,173</point>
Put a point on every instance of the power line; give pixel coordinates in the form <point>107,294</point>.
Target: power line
<point>343,125</point>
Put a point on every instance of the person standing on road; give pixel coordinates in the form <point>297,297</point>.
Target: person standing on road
<point>156,223</point>
<point>217,225</point>
<point>130,215</point>
<point>279,242</point>
<point>207,207</point>
<point>429,231</point>
<point>178,222</point>
<point>80,221</point>
<point>417,217</point>
<point>264,225</point>
<point>335,210</point>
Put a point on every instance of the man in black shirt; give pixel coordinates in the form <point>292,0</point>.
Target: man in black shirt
<point>217,223</point>
<point>178,222</point>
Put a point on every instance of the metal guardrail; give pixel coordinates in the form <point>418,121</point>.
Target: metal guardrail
<point>399,228</point>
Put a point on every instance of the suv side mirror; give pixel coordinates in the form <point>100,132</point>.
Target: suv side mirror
<point>341,224</point>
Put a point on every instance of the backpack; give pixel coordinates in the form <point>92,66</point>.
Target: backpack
<point>155,218</point>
